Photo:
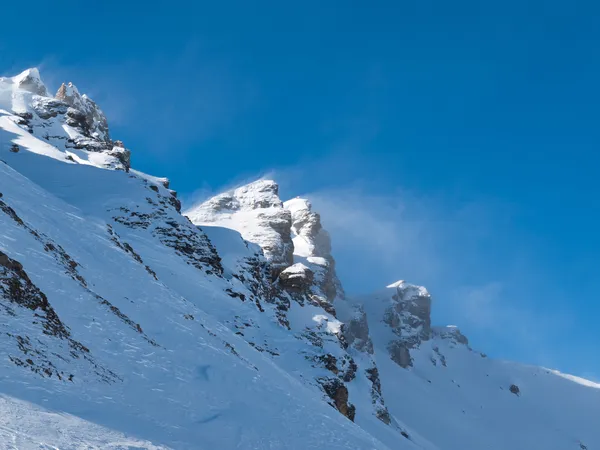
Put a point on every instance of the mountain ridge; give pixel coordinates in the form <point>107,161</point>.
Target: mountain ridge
<point>225,327</point>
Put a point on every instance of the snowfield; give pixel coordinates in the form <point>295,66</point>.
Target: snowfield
<point>126,325</point>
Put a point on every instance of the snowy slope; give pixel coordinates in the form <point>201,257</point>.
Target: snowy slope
<point>127,325</point>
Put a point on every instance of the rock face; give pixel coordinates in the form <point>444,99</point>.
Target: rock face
<point>357,332</point>
<point>20,298</point>
<point>409,318</point>
<point>297,277</point>
<point>404,312</point>
<point>312,247</point>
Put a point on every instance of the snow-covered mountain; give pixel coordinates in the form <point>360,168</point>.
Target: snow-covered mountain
<point>126,324</point>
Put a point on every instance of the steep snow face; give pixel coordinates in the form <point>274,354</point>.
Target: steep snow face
<point>450,397</point>
<point>256,211</point>
<point>70,126</point>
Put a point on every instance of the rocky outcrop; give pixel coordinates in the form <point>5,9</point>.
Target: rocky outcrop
<point>160,216</point>
<point>409,317</point>
<point>405,310</point>
<point>85,113</point>
<point>312,247</point>
<point>356,330</point>
<point>70,121</point>
<point>296,278</point>
<point>338,393</point>
<point>451,333</point>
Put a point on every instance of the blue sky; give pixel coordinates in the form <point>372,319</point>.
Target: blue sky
<point>451,144</point>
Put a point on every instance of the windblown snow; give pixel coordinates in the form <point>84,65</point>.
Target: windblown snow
<point>126,324</point>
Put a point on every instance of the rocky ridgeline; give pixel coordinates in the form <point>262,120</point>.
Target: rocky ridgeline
<point>302,268</point>
<point>286,270</point>
<point>106,288</point>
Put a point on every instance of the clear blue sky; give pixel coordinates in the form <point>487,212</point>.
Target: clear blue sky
<point>460,140</point>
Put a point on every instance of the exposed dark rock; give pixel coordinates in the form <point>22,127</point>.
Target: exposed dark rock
<point>129,249</point>
<point>338,393</point>
<point>17,288</point>
<point>351,368</point>
<point>122,155</point>
<point>409,317</point>
<point>356,332</point>
<point>191,244</point>
<point>400,354</point>
<point>296,278</point>
<point>187,240</point>
<point>515,389</point>
<point>329,362</point>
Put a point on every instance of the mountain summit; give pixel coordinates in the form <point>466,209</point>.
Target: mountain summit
<point>126,324</point>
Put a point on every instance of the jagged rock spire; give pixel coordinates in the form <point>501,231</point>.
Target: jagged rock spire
<point>94,120</point>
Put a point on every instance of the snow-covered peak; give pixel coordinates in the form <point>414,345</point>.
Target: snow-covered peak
<point>408,292</point>
<point>259,194</point>
<point>69,127</point>
<point>29,80</point>
<point>256,212</point>
<point>298,204</point>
